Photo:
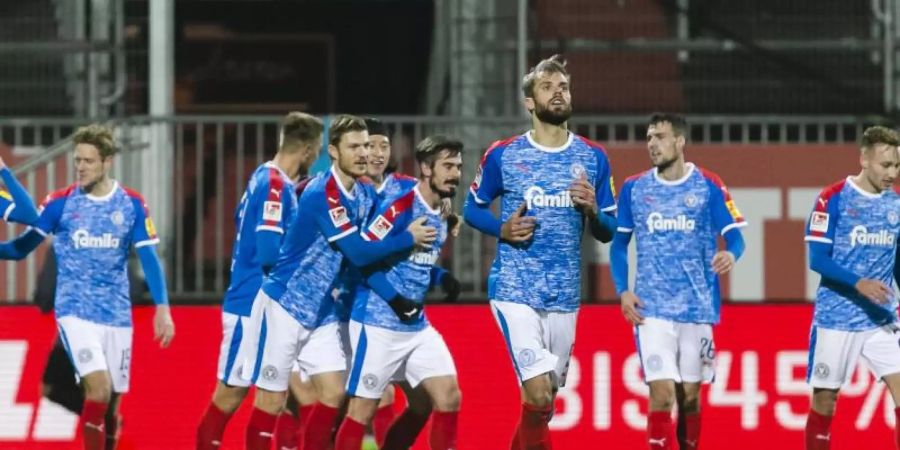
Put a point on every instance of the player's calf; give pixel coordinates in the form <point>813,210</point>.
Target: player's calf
<point>539,391</point>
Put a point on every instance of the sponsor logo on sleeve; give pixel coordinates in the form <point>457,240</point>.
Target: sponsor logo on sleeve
<point>339,216</point>
<point>818,222</point>
<point>272,211</point>
<point>381,227</point>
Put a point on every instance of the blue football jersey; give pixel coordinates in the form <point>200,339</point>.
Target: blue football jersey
<point>305,279</point>
<point>268,205</point>
<point>862,229</point>
<point>545,273</point>
<point>408,272</point>
<point>394,185</point>
<point>676,225</point>
<point>93,237</point>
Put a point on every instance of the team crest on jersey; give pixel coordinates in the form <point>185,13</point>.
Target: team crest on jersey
<point>892,217</point>
<point>117,218</point>
<point>690,200</point>
<point>370,381</point>
<point>272,211</point>
<point>339,216</point>
<point>818,222</point>
<point>577,170</point>
<point>381,226</point>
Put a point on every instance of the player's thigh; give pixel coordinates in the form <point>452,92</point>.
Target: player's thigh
<point>253,328</point>
<point>83,342</point>
<point>377,355</point>
<point>431,364</point>
<point>833,355</point>
<point>696,352</point>
<point>522,332</point>
<point>657,346</point>
<point>302,388</point>
<point>559,329</point>
<point>322,351</point>
<point>117,348</point>
<point>881,352</point>
<point>233,354</point>
<point>279,348</point>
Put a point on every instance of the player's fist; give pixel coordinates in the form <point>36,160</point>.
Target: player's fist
<point>423,234</point>
<point>451,287</point>
<point>408,311</point>
<point>630,306</point>
<point>722,262</point>
<point>519,227</point>
<point>2,163</point>
<point>583,195</point>
<point>453,224</point>
<point>874,290</point>
<point>163,326</point>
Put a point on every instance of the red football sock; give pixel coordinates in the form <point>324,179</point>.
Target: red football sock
<point>113,428</point>
<point>260,430</point>
<point>659,430</point>
<point>534,433</point>
<point>818,431</point>
<point>303,413</point>
<point>318,426</point>
<point>383,419</point>
<point>897,427</point>
<point>689,431</point>
<point>93,424</point>
<point>286,431</point>
<point>403,432</point>
<point>350,435</point>
<point>212,427</point>
<point>443,430</point>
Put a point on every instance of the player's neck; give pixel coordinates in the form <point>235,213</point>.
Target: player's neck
<point>862,181</point>
<point>549,135</point>
<point>378,180</point>
<point>289,164</point>
<point>346,180</point>
<point>100,188</point>
<point>431,196</point>
<point>674,171</point>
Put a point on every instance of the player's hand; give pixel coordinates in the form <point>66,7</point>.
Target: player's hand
<point>453,224</point>
<point>2,163</point>
<point>423,235</point>
<point>451,287</point>
<point>630,306</point>
<point>518,228</point>
<point>722,262</point>
<point>874,290</point>
<point>583,195</point>
<point>163,326</point>
<point>408,311</point>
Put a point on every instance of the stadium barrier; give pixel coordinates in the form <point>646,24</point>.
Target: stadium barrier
<point>759,398</point>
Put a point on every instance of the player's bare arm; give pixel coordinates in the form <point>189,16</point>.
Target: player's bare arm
<point>518,228</point>
<point>163,326</point>
<point>630,306</point>
<point>723,262</point>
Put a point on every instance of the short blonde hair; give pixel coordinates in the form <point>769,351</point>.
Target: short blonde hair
<point>99,136</point>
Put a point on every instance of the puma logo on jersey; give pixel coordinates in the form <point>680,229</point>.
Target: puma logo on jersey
<point>656,222</point>
<point>276,192</point>
<point>335,201</point>
<point>82,239</point>
<point>860,235</point>
<point>823,202</point>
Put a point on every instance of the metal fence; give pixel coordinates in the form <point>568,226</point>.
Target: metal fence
<point>194,176</point>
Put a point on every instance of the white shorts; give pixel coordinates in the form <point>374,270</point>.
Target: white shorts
<point>283,341</point>
<point>538,341</point>
<point>833,354</point>
<point>93,347</point>
<point>683,352</point>
<point>345,342</point>
<point>381,356</point>
<point>240,335</point>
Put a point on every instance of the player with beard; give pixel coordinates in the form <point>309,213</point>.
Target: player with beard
<point>552,183</point>
<point>676,212</point>
<point>391,344</point>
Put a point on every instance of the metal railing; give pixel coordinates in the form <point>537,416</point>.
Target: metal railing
<point>212,157</point>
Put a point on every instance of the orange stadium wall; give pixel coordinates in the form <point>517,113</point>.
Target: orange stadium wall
<point>758,400</point>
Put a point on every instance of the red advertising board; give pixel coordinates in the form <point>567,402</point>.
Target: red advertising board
<point>759,398</point>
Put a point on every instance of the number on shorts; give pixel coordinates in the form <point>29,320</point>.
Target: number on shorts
<point>707,350</point>
<point>126,360</point>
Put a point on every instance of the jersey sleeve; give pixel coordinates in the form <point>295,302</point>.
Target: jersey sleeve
<point>143,231</point>
<point>823,220</point>
<point>329,211</point>
<point>273,199</point>
<point>50,212</point>
<point>624,216</point>
<point>392,214</point>
<point>488,183</point>
<point>604,187</point>
<point>725,215</point>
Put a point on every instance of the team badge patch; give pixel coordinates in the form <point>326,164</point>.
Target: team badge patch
<point>117,218</point>
<point>892,217</point>
<point>85,355</point>
<point>822,370</point>
<point>577,170</point>
<point>339,216</point>
<point>269,372</point>
<point>818,222</point>
<point>272,211</point>
<point>526,357</point>
<point>654,363</point>
<point>370,381</point>
<point>381,226</point>
<point>690,201</point>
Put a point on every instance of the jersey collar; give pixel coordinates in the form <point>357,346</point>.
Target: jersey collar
<point>549,149</point>
<point>861,191</point>
<point>271,164</point>
<point>104,198</point>
<point>425,203</point>
<point>687,174</point>
<point>337,180</point>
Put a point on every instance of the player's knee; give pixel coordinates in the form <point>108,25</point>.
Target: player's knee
<point>824,402</point>
<point>662,396</point>
<point>332,396</point>
<point>97,391</point>
<point>269,401</point>
<point>689,404</point>
<point>388,397</point>
<point>228,399</point>
<point>448,399</point>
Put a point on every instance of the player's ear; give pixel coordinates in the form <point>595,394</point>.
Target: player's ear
<point>529,104</point>
<point>333,152</point>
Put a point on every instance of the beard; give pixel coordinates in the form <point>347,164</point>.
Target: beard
<point>546,114</point>
<point>666,163</point>
<point>449,193</point>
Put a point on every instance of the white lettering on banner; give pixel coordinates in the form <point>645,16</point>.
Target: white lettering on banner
<point>634,384</point>
<point>787,363</point>
<point>16,417</point>
<point>570,414</point>
<point>749,398</point>
<point>602,391</point>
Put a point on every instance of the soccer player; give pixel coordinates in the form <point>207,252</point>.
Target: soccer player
<point>551,182</point>
<point>676,211</point>
<point>261,217</point>
<point>299,321</point>
<point>391,343</point>
<point>96,221</point>
<point>852,237</point>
